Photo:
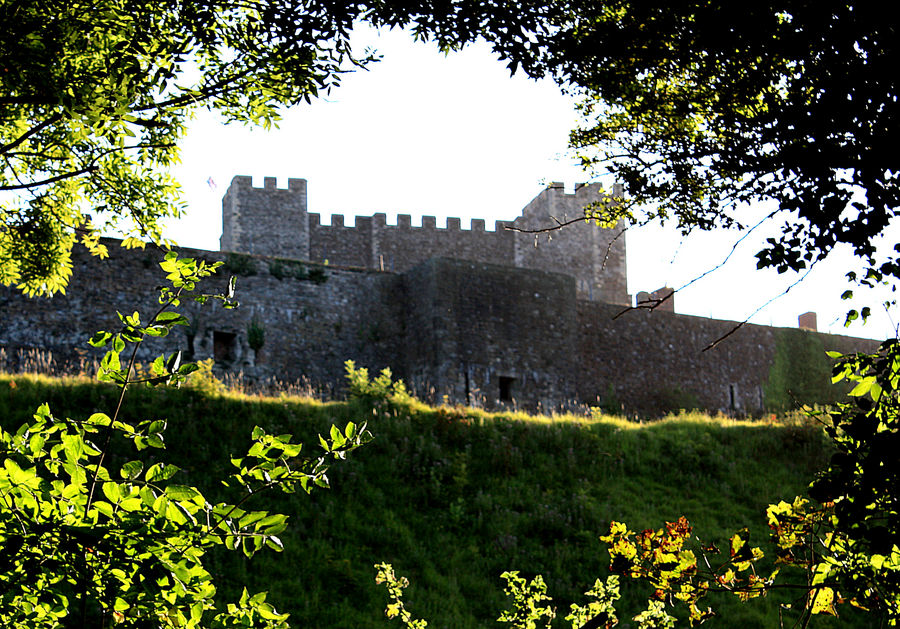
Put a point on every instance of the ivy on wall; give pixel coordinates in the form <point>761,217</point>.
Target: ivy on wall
<point>800,372</point>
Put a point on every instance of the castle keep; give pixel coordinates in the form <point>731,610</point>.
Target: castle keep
<point>272,222</point>
<point>470,315</point>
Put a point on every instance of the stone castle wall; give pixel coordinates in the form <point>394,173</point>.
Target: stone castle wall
<point>487,318</point>
<point>471,326</point>
<point>271,221</point>
<point>471,331</point>
<point>663,357</point>
<point>310,327</point>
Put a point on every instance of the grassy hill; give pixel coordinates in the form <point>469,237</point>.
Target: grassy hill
<point>452,497</point>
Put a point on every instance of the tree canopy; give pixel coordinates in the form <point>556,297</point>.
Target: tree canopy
<point>94,97</point>
<point>695,106</point>
<point>698,107</point>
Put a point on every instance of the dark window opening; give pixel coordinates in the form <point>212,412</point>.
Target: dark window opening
<point>468,392</point>
<point>224,346</point>
<point>732,397</point>
<point>189,352</point>
<point>506,388</point>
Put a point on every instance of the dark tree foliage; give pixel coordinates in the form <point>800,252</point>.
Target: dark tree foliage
<point>699,106</point>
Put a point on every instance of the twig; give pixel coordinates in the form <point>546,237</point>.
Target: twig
<point>741,324</point>
<point>559,225</point>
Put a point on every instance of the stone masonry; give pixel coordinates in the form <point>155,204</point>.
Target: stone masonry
<point>275,222</point>
<point>471,316</point>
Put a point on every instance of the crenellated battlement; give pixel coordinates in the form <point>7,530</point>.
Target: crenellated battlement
<point>275,221</point>
<point>245,182</point>
<point>404,221</point>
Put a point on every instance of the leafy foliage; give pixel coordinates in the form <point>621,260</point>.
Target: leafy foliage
<point>95,96</point>
<point>84,545</point>
<point>282,268</point>
<point>527,602</point>
<point>860,484</point>
<point>698,108</point>
<point>395,586</point>
<point>240,264</point>
<point>530,610</point>
<point>381,393</point>
<point>256,335</point>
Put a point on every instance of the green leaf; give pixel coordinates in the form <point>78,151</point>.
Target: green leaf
<point>16,474</point>
<point>160,472</point>
<point>169,319</point>
<point>823,601</point>
<point>103,507</point>
<point>100,339</point>
<point>182,492</point>
<point>273,524</point>
<point>73,446</point>
<point>99,419</point>
<point>862,387</point>
<point>131,470</point>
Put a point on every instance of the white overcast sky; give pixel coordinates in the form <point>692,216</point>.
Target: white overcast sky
<point>426,134</point>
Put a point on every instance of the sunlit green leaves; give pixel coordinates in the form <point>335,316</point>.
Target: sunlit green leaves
<point>131,470</point>
<point>128,550</point>
<point>527,600</point>
<point>97,96</point>
<point>395,586</point>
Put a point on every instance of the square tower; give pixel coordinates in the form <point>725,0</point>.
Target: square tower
<point>266,221</point>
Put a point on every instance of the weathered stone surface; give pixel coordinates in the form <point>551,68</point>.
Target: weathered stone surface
<point>275,222</point>
<point>510,324</point>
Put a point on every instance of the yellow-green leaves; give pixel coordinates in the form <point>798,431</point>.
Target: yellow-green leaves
<point>395,586</point>
<point>95,549</point>
<point>527,598</point>
<point>822,600</point>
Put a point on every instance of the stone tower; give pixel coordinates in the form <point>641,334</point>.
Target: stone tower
<point>266,221</point>
<point>595,257</point>
<point>274,222</point>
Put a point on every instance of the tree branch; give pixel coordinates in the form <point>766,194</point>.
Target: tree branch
<point>741,324</point>
<point>559,225</point>
<point>35,129</point>
<point>44,182</point>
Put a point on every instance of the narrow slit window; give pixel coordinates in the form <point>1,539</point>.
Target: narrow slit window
<point>506,388</point>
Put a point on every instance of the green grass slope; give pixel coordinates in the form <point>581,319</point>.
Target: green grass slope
<point>453,497</point>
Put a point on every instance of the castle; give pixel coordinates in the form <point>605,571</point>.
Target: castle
<point>492,318</point>
<point>271,222</point>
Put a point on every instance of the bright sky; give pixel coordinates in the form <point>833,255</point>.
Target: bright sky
<point>425,134</point>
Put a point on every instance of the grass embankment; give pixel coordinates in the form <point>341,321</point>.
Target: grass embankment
<point>454,497</point>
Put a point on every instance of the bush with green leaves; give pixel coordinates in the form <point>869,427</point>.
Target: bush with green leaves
<point>381,393</point>
<point>530,605</point>
<point>86,544</point>
<point>256,335</point>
